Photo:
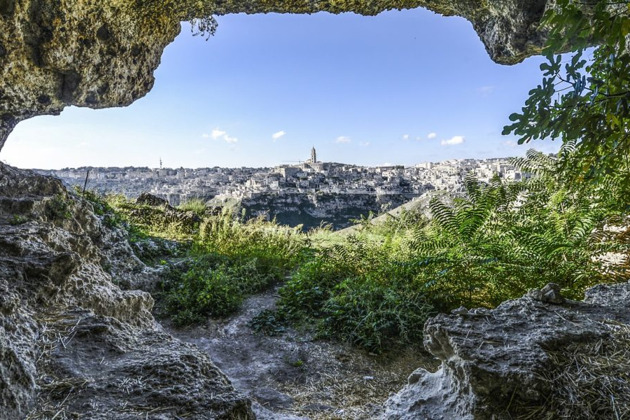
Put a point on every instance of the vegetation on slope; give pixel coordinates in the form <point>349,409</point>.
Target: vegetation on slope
<point>229,260</point>
<point>212,262</point>
<point>375,287</point>
<point>379,285</point>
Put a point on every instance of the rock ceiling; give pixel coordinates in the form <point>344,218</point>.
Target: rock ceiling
<point>102,53</point>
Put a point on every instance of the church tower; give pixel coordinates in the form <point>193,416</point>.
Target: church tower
<point>313,155</point>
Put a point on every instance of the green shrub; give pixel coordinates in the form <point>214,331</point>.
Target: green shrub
<point>108,208</point>
<point>310,287</point>
<point>57,208</point>
<point>196,205</point>
<point>375,314</point>
<point>358,292</point>
<point>269,323</point>
<point>212,286</point>
<point>17,219</point>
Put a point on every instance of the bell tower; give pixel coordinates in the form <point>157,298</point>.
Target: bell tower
<point>313,155</point>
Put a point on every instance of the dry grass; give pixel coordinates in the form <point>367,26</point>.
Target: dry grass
<point>57,330</point>
<point>589,381</point>
<point>358,391</point>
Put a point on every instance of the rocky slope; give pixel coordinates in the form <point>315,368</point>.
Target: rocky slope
<point>295,376</point>
<point>103,53</point>
<point>71,341</point>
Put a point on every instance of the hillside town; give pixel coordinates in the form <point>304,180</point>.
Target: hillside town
<point>309,177</point>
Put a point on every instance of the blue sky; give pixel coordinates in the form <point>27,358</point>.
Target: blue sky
<point>403,87</point>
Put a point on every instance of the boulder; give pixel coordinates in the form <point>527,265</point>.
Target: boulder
<point>154,210</point>
<point>519,359</point>
<point>151,200</point>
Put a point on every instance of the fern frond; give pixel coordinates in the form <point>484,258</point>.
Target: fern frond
<point>443,215</point>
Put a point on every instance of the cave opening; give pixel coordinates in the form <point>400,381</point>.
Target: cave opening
<point>402,87</point>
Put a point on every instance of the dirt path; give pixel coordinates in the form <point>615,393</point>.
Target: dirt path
<point>293,376</point>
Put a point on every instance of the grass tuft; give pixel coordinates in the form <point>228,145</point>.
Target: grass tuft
<point>586,381</point>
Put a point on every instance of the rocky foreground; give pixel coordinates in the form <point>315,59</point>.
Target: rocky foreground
<point>540,356</point>
<point>74,344</point>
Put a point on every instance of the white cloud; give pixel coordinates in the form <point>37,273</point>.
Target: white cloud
<point>452,141</point>
<point>405,137</point>
<point>217,134</point>
<point>278,135</point>
<point>431,136</point>
<point>366,144</point>
<point>343,139</point>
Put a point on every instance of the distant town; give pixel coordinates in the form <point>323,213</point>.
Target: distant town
<point>310,192</point>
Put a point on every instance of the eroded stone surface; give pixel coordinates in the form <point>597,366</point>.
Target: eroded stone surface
<point>71,341</point>
<point>102,53</point>
<point>87,53</point>
<point>493,360</point>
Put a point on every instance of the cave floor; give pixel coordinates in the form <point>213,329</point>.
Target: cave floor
<point>295,376</point>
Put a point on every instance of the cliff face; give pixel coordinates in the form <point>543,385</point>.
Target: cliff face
<point>102,53</point>
<point>311,210</point>
<point>71,341</point>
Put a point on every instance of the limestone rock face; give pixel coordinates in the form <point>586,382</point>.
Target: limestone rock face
<point>311,211</point>
<point>71,341</point>
<point>102,53</point>
<point>494,362</point>
<point>87,53</point>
